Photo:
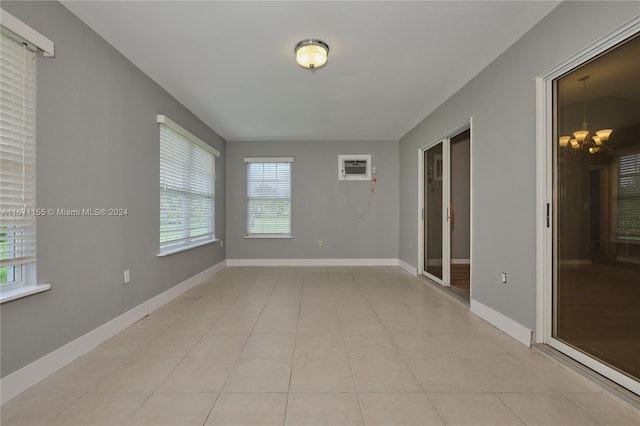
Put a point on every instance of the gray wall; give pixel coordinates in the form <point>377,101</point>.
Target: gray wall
<point>97,147</point>
<point>502,101</point>
<point>323,208</point>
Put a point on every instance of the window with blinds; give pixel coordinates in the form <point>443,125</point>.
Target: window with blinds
<point>187,189</point>
<point>628,219</point>
<point>17,159</point>
<point>269,196</point>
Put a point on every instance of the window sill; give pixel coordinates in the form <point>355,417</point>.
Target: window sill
<point>263,237</point>
<point>23,291</point>
<point>178,250</point>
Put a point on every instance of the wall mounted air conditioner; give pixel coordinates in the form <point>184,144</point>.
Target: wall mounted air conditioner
<point>354,167</point>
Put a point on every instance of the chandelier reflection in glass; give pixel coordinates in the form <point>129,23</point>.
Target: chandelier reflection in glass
<point>582,139</point>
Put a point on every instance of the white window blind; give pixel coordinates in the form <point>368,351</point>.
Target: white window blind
<point>187,189</point>
<point>268,196</point>
<point>629,198</point>
<point>17,156</point>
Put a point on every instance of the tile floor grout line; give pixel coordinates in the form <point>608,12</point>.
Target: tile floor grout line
<point>215,401</point>
<point>198,341</point>
<point>508,408</point>
<point>226,381</point>
<point>438,412</point>
<point>404,360</point>
<point>185,357</point>
<point>295,339</point>
<point>82,395</point>
<point>353,375</point>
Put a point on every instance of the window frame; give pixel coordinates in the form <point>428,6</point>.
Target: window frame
<point>633,197</point>
<point>19,272</point>
<point>26,282</point>
<point>265,160</point>
<point>187,137</point>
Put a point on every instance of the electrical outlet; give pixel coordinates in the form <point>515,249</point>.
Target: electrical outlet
<point>127,277</point>
<point>320,243</point>
<point>221,243</point>
<point>504,277</point>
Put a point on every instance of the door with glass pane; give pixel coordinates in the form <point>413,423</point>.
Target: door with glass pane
<point>436,213</point>
<point>596,235</point>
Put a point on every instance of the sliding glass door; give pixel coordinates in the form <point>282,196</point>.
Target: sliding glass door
<point>436,212</point>
<point>596,228</point>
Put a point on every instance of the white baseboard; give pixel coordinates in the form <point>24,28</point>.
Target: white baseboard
<point>514,329</point>
<point>409,268</point>
<point>312,262</point>
<point>22,379</point>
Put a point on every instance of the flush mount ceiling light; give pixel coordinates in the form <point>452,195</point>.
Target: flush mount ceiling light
<point>311,53</point>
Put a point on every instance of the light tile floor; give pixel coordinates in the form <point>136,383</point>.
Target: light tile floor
<point>314,346</point>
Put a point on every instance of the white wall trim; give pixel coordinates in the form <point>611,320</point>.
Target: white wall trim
<point>421,212</point>
<point>22,379</point>
<point>163,119</point>
<point>27,33</point>
<point>313,262</point>
<point>514,329</point>
<point>471,189</point>
<point>544,201</point>
<point>268,159</point>
<point>409,268</point>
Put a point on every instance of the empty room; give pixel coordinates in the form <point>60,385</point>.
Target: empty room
<point>320,213</point>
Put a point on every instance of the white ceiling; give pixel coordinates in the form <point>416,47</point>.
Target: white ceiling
<point>232,64</point>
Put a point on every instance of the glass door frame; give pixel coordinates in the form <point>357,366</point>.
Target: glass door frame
<point>546,220</point>
<point>445,281</point>
<point>446,201</point>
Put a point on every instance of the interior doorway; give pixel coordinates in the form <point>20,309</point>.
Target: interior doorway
<point>445,216</point>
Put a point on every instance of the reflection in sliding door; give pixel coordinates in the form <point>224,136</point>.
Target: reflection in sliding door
<point>433,216</point>
<point>597,193</point>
